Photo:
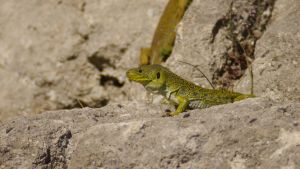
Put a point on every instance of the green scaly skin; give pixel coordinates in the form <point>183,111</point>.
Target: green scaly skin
<point>160,80</point>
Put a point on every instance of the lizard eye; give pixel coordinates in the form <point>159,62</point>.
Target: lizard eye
<point>158,75</point>
<point>140,71</point>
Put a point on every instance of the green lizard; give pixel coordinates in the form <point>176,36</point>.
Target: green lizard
<point>160,80</point>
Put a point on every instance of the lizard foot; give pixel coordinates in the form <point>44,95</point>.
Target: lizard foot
<point>172,114</point>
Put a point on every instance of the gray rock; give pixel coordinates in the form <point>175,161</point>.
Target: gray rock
<point>255,133</point>
<point>193,40</point>
<point>276,53</point>
<point>61,54</point>
<point>67,54</point>
<point>276,67</point>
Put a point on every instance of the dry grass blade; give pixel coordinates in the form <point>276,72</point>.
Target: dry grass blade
<point>196,67</point>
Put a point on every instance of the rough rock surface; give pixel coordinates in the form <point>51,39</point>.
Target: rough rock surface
<point>67,53</point>
<point>276,63</point>
<point>71,53</point>
<point>255,133</point>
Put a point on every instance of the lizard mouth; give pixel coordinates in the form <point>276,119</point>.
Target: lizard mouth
<point>132,75</point>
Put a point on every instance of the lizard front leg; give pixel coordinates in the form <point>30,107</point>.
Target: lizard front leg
<point>169,93</point>
<point>182,106</point>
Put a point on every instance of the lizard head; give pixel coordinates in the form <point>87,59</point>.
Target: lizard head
<point>153,77</point>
